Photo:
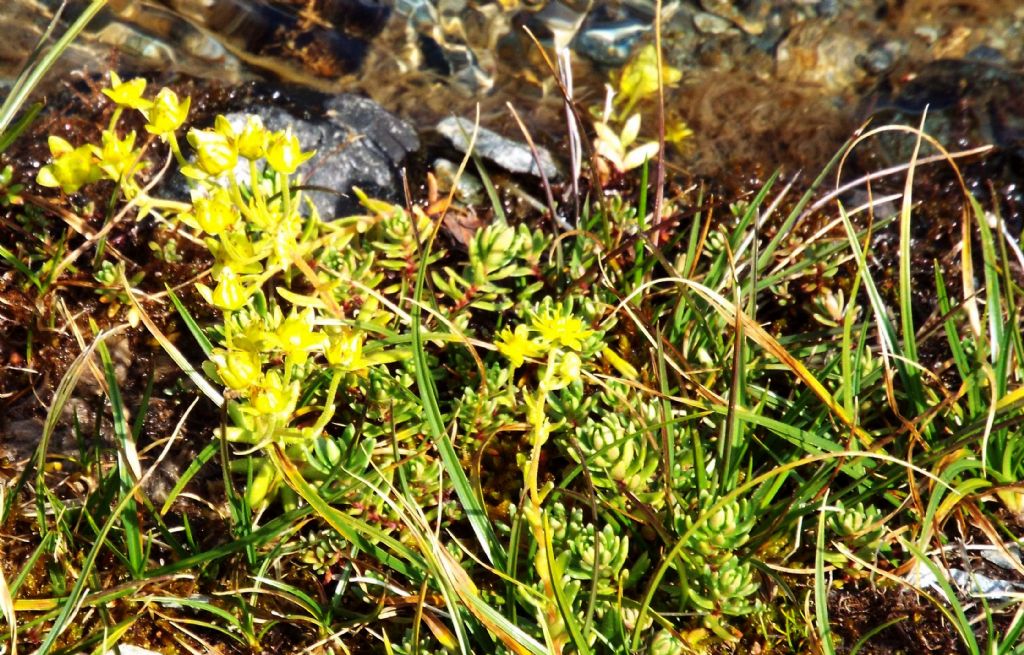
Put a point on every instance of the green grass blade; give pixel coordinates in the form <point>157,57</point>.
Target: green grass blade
<point>785,230</point>
<point>565,609</point>
<point>866,637</point>
<point>172,351</point>
<point>492,193</point>
<point>358,532</point>
<point>475,511</point>
<point>190,323</point>
<point>993,296</point>
<point>905,283</point>
<point>820,588</point>
<point>35,70</point>
<point>8,137</point>
<point>956,344</point>
<point>957,617</point>
<point>21,267</point>
<point>72,602</point>
<point>128,466</point>
<point>201,459</point>
<point>205,606</point>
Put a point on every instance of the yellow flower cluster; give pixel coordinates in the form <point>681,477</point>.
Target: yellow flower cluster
<point>271,361</point>
<point>550,329</point>
<point>117,159</point>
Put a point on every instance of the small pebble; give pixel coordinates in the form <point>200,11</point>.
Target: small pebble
<point>711,24</point>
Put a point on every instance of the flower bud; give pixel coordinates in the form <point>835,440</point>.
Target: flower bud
<point>216,213</point>
<point>238,369</point>
<point>284,154</point>
<point>263,484</point>
<point>229,294</point>
<point>251,142</point>
<point>215,153</point>
<point>168,113</point>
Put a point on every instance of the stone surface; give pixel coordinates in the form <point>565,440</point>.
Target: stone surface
<point>817,53</point>
<point>707,23</point>
<point>511,155</point>
<point>608,41</point>
<point>357,143</point>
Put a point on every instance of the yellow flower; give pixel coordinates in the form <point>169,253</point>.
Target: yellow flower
<point>117,156</point>
<point>297,336</point>
<point>168,113</point>
<point>274,396</point>
<point>284,154</point>
<point>215,149</point>
<point>640,76</point>
<point>253,138</point>
<point>238,369</point>
<point>235,250</point>
<point>216,213</point>
<point>558,327</point>
<point>127,94</point>
<point>72,168</point>
<point>229,294</point>
<point>345,350</point>
<point>253,335</point>
<point>517,345</point>
<point>677,131</point>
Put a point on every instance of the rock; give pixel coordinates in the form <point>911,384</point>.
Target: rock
<point>707,23</point>
<point>822,54</point>
<point>511,155</point>
<point>749,16</point>
<point>882,56</point>
<point>391,135</point>
<point>610,42</point>
<point>469,190</point>
<point>357,143</point>
<point>827,8</point>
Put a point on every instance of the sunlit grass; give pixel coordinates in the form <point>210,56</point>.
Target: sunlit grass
<point>672,433</point>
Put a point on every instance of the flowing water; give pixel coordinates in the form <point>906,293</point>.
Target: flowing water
<point>766,83</point>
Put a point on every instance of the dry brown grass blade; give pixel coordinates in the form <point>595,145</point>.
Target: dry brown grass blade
<point>92,238</point>
<point>7,607</point>
<point>172,351</point>
<point>571,106</point>
<point>659,176</point>
<point>536,158</point>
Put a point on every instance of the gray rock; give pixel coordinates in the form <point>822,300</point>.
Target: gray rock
<point>610,43</point>
<point>393,136</point>
<point>468,187</point>
<point>511,155</point>
<point>357,143</point>
<point>707,23</point>
<point>823,55</point>
<point>882,56</point>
